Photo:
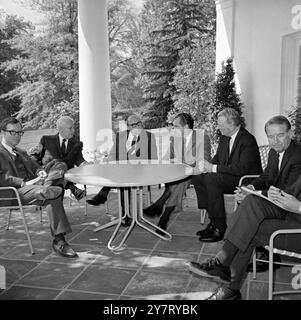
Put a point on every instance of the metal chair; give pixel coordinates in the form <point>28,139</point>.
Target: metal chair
<point>272,249</point>
<point>15,198</point>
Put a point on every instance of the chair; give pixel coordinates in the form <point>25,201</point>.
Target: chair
<point>272,249</point>
<point>263,151</point>
<point>18,206</point>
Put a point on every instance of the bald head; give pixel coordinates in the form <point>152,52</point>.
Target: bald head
<point>65,127</point>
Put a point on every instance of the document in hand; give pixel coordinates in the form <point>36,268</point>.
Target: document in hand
<point>259,194</point>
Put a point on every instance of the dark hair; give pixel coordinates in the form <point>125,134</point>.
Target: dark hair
<point>9,120</point>
<point>278,120</point>
<point>231,115</point>
<point>185,118</point>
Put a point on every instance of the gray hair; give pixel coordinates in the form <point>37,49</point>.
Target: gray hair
<point>231,115</point>
<point>63,120</point>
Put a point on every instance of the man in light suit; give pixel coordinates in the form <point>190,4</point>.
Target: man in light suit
<point>237,155</point>
<point>63,147</point>
<point>34,184</point>
<point>256,218</point>
<point>132,144</point>
<point>196,147</point>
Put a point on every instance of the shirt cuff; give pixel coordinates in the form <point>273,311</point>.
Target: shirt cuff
<point>214,168</point>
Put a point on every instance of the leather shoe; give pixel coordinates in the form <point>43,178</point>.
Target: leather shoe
<point>48,193</point>
<point>78,193</point>
<point>63,249</point>
<point>97,200</point>
<point>213,236</point>
<point>225,293</point>
<point>211,268</point>
<point>126,221</point>
<point>206,231</point>
<point>153,210</point>
<point>263,254</point>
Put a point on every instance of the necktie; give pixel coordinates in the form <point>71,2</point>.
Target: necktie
<point>134,149</point>
<point>63,147</point>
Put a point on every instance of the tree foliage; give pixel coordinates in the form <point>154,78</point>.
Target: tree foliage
<point>169,27</point>
<point>12,26</point>
<point>225,96</point>
<point>48,66</point>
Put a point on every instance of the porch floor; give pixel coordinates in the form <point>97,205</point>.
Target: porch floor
<point>146,268</point>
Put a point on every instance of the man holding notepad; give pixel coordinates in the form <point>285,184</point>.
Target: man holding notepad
<point>256,218</point>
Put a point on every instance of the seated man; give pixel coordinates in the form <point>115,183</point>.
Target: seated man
<point>132,144</point>
<point>63,147</point>
<point>35,185</point>
<point>237,155</point>
<point>196,148</point>
<point>256,218</point>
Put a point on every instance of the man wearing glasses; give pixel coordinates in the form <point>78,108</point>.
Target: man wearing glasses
<point>35,185</point>
<point>132,144</point>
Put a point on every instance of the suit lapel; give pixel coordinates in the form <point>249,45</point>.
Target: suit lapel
<point>10,158</point>
<point>57,142</point>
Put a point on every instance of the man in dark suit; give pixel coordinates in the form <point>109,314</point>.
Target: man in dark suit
<point>256,218</point>
<point>35,185</point>
<point>132,144</point>
<point>63,147</point>
<point>196,147</point>
<point>237,155</point>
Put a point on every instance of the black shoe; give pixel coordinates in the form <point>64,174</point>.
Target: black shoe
<point>206,231</point>
<point>153,210</point>
<point>78,193</point>
<point>211,268</point>
<point>63,249</point>
<point>97,200</point>
<point>213,236</point>
<point>263,254</point>
<point>225,293</point>
<point>126,221</point>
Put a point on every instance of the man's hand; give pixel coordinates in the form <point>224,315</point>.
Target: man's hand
<point>289,202</point>
<point>239,195</point>
<point>42,174</point>
<point>273,193</point>
<point>205,166</point>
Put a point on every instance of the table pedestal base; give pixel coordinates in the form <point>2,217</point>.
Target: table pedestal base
<point>137,218</point>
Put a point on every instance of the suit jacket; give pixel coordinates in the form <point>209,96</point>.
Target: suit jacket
<point>290,169</point>
<point>197,149</point>
<point>244,157</point>
<point>147,146</point>
<point>9,175</point>
<point>49,149</point>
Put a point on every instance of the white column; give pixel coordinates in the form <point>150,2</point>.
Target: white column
<point>224,31</point>
<point>94,71</point>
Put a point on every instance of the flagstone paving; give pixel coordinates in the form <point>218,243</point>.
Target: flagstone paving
<point>145,268</point>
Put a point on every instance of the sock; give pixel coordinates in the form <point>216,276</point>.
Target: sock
<point>227,253</point>
<point>59,237</point>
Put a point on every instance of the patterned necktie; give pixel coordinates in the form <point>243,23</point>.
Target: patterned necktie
<point>63,147</point>
<point>134,148</point>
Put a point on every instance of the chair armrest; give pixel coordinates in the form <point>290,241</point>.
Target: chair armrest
<point>247,177</point>
<point>279,232</point>
<point>16,197</point>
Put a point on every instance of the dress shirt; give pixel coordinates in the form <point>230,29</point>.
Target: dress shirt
<point>61,141</point>
<point>280,159</point>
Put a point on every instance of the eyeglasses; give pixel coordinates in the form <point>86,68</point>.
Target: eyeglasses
<point>135,124</point>
<point>14,133</point>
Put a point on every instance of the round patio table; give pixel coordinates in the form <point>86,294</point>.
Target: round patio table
<point>134,175</point>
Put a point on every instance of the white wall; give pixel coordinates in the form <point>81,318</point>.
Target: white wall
<point>256,33</point>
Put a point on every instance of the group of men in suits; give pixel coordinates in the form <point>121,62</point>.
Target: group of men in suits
<point>256,218</point>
